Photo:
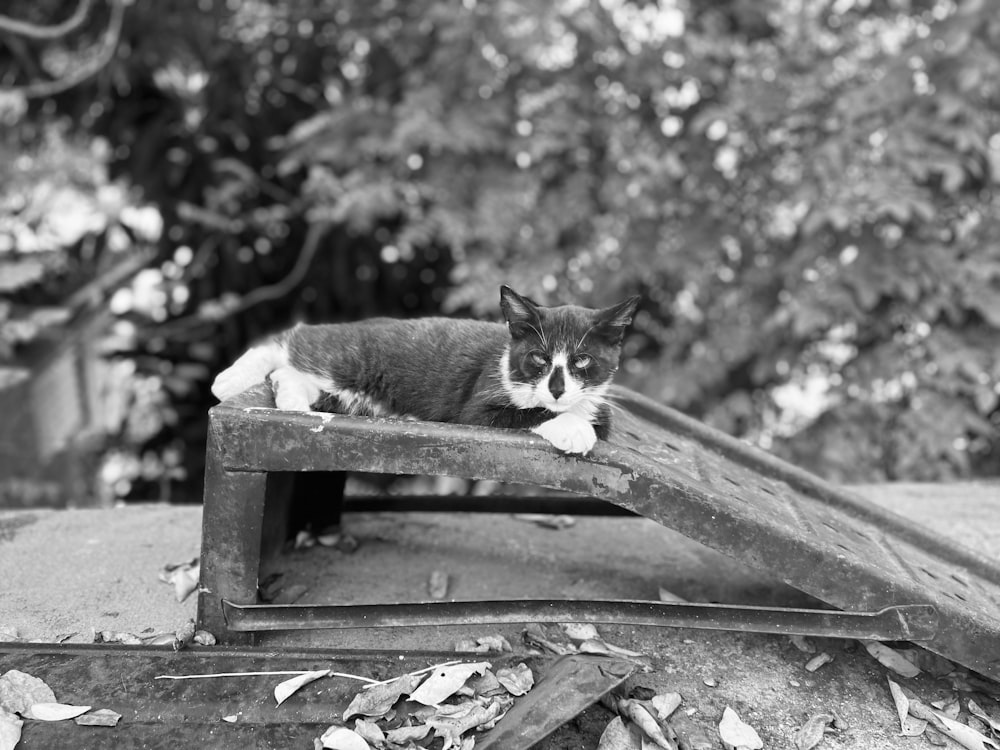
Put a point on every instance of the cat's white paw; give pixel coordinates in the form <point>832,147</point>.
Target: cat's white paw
<point>569,433</point>
<point>247,371</point>
<point>293,391</point>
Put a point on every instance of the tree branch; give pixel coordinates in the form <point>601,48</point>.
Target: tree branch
<point>34,31</point>
<point>42,89</point>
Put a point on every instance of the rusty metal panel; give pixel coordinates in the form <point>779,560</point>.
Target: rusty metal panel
<point>660,464</point>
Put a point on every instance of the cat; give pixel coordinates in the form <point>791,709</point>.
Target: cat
<point>548,369</point>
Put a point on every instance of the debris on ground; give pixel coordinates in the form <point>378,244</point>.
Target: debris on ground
<point>183,577</point>
<point>26,697</point>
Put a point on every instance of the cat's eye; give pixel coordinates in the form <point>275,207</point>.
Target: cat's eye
<point>582,361</point>
<point>537,358</point>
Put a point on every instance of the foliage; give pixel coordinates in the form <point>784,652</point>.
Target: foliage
<point>805,193</point>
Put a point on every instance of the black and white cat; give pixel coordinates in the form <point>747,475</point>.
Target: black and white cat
<point>547,370</point>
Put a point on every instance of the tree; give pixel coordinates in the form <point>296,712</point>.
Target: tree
<point>804,193</point>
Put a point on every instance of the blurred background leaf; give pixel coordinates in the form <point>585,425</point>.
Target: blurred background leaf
<point>804,193</point>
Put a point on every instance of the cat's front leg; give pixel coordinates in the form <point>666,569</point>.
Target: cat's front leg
<point>568,432</point>
<point>293,390</point>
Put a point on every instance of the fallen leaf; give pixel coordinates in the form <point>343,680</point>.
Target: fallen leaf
<point>665,704</point>
<point>517,680</point>
<point>484,684</point>
<point>19,690</point>
<point>803,644</point>
<point>204,638</point>
<point>102,717</point>
<point>818,661</point>
<point>976,710</point>
<point>534,636</point>
<point>618,736</point>
<point>546,520</point>
<point>966,736</point>
<point>670,596</point>
<point>342,738</point>
<point>484,645</point>
<point>891,658</point>
<point>183,577</point>
<point>369,731</point>
<point>909,726</point>
<point>10,729</point>
<point>402,735</point>
<point>286,689</point>
<point>437,584</point>
<point>445,681</point>
<point>54,711</point>
<point>810,734</point>
<point>452,726</point>
<point>640,715</point>
<point>378,699</point>
<point>126,639</point>
<point>580,631</point>
<point>735,733</point>
<point>950,707</point>
<point>598,646</point>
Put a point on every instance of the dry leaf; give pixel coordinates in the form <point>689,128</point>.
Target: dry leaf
<point>598,646</point>
<point>369,731</point>
<point>976,710</point>
<point>810,734</point>
<point>909,726</point>
<point>670,596</point>
<point>402,735</point>
<point>966,736</point>
<point>580,631</point>
<point>891,658</point>
<point>204,638</point>
<point>445,681</point>
<point>484,645</point>
<point>517,680</point>
<point>735,733</point>
<point>950,708</point>
<point>54,711</point>
<point>342,738</point>
<point>803,644</point>
<point>437,585</point>
<point>643,719</point>
<point>10,729</point>
<point>618,736</point>
<point>666,704</point>
<point>286,689</point>
<point>452,726</point>
<point>102,717</point>
<point>818,661</point>
<point>535,637</point>
<point>19,690</point>
<point>378,699</point>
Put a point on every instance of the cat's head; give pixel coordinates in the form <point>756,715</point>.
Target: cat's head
<point>561,358</point>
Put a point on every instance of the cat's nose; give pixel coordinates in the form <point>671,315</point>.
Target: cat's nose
<point>557,385</point>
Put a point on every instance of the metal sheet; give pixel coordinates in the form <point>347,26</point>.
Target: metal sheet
<point>658,463</point>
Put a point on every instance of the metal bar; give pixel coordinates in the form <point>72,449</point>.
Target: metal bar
<point>914,622</point>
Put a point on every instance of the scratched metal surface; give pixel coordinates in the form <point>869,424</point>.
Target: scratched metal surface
<point>658,463</point>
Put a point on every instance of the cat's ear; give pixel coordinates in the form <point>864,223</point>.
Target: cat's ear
<point>613,321</point>
<point>520,312</point>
